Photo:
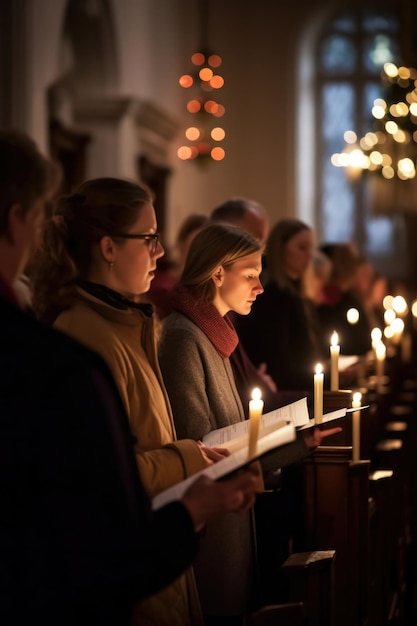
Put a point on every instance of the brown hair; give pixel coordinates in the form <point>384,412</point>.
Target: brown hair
<point>25,174</point>
<point>216,244</point>
<point>280,235</point>
<point>98,207</point>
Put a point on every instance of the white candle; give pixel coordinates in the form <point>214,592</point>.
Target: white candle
<point>356,427</point>
<point>256,406</point>
<point>318,394</point>
<point>376,336</point>
<point>380,351</point>
<point>397,326</point>
<point>334,361</point>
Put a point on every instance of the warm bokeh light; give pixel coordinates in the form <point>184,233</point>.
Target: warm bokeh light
<point>217,82</point>
<point>398,325</point>
<point>198,58</point>
<point>214,60</point>
<point>193,106</point>
<point>211,106</point>
<point>352,316</point>
<point>192,133</point>
<point>414,308</point>
<point>218,154</point>
<point>201,82</point>
<point>389,316</point>
<point>387,301</point>
<point>218,134</point>
<point>350,136</point>
<point>186,81</point>
<point>400,305</point>
<point>205,74</point>
<point>376,334</point>
<point>220,111</point>
<point>184,153</point>
<point>388,332</point>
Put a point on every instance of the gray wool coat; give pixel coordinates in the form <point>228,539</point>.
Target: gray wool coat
<point>204,397</point>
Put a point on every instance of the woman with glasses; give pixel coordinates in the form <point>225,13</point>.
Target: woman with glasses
<point>99,255</point>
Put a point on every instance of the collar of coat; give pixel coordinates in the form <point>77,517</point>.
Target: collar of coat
<point>218,329</point>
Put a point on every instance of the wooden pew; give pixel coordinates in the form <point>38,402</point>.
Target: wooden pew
<point>336,516</point>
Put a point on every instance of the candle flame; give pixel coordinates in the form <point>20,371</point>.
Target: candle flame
<point>356,399</point>
<point>319,368</point>
<point>380,350</point>
<point>256,394</point>
<point>352,316</point>
<point>376,334</point>
<point>334,338</point>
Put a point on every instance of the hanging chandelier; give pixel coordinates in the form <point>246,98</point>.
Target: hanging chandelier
<point>204,134</point>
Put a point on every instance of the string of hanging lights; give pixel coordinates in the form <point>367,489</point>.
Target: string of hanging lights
<point>390,149</point>
<point>203,135</point>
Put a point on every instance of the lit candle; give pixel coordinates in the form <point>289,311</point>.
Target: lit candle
<point>334,361</point>
<point>397,326</point>
<point>318,394</point>
<point>352,316</point>
<point>356,427</point>
<point>376,336</point>
<point>380,351</point>
<point>256,406</point>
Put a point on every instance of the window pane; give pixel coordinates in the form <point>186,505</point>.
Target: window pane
<point>375,22</point>
<point>371,93</point>
<point>345,23</point>
<point>337,53</point>
<point>337,195</point>
<point>337,205</point>
<point>337,112</point>
<point>379,236</point>
<point>379,49</point>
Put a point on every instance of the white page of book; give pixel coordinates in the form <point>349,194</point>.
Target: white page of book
<point>282,434</point>
<point>232,436</point>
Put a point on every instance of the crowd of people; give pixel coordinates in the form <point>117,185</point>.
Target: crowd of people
<point>114,371</point>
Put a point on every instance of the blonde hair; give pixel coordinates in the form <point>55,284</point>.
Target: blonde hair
<point>216,244</point>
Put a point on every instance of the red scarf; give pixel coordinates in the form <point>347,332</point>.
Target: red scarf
<point>218,329</point>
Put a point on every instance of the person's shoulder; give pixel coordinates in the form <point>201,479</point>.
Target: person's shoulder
<point>178,329</point>
<point>30,340</point>
<point>178,321</point>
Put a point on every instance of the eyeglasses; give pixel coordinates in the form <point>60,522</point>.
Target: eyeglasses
<point>152,240</point>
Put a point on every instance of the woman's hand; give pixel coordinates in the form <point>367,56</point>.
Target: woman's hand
<point>207,500</point>
<point>212,455</point>
<point>314,437</point>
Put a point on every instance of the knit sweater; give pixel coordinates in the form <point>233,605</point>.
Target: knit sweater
<point>203,395</point>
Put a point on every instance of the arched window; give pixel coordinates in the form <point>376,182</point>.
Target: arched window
<point>348,51</point>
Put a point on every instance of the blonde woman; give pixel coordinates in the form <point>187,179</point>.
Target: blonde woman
<point>221,274</point>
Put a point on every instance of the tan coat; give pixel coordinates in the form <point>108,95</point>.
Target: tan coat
<point>125,339</point>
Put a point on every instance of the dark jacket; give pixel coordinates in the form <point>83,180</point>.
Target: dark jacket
<point>332,315</point>
<point>279,332</point>
<point>78,543</point>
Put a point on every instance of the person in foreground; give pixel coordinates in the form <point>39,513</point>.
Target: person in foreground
<point>221,274</point>
<point>79,543</point>
<point>98,256</point>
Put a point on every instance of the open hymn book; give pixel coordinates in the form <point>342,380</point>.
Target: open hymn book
<point>276,429</point>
